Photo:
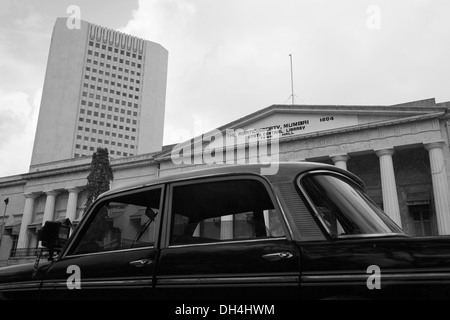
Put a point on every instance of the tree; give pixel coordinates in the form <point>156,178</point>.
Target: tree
<point>100,177</point>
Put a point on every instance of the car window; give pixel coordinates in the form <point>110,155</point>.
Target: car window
<point>223,211</point>
<point>121,222</point>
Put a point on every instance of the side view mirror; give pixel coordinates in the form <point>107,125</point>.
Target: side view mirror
<point>54,235</point>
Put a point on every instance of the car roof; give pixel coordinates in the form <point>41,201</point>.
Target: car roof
<point>284,171</point>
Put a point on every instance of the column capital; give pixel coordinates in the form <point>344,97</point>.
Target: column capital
<point>382,152</point>
<point>339,157</point>
<point>51,192</point>
<point>74,189</point>
<point>434,145</point>
<point>31,195</point>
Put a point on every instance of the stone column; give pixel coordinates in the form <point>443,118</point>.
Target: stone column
<point>72,203</point>
<point>440,186</point>
<point>49,206</point>
<point>27,217</point>
<point>340,161</point>
<point>388,185</point>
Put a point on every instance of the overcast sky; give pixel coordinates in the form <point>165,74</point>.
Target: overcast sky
<point>229,58</point>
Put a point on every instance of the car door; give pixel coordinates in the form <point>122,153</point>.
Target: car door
<point>113,253</point>
<point>226,238</point>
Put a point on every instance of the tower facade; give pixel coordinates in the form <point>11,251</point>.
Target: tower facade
<point>102,88</point>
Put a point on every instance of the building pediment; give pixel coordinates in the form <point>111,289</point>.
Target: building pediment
<point>294,120</point>
<point>303,121</point>
<point>288,124</point>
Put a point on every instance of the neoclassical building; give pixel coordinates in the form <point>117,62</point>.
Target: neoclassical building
<point>401,152</point>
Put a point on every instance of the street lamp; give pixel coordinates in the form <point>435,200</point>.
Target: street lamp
<point>3,221</point>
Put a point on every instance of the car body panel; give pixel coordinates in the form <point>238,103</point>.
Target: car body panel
<point>22,281</point>
<point>233,267</point>
<point>106,275</point>
<point>408,267</point>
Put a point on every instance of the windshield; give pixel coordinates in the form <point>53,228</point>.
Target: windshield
<point>343,208</point>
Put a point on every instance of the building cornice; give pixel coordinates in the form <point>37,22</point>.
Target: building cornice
<point>116,164</point>
<point>366,126</point>
<point>13,181</point>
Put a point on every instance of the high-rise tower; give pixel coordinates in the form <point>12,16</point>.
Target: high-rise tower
<point>102,88</point>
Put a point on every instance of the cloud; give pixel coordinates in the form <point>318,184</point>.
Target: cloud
<point>153,16</point>
<point>5,7</point>
<point>230,58</point>
<point>25,39</point>
<point>18,119</point>
<point>218,62</point>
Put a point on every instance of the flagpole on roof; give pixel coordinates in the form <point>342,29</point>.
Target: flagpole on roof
<point>292,80</point>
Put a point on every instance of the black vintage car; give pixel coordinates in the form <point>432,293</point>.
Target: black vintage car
<point>307,232</point>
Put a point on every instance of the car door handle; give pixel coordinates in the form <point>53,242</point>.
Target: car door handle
<point>278,256</point>
<point>140,263</point>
